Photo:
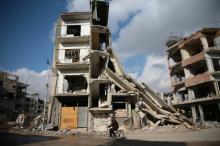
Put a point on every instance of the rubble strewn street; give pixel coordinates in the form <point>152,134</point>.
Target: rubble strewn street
<point>189,138</point>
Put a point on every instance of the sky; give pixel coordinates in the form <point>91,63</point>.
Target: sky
<point>139,31</point>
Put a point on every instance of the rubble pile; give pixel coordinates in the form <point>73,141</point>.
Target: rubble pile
<point>6,126</point>
<point>211,124</point>
<point>165,128</point>
<point>25,124</point>
<point>79,91</point>
<point>37,123</point>
<point>148,105</point>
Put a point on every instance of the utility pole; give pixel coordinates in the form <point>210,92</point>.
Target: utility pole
<point>45,99</point>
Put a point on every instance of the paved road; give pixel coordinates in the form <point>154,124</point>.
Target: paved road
<point>203,135</point>
<point>198,138</point>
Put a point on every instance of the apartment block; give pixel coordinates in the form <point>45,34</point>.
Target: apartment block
<point>33,104</point>
<point>8,93</point>
<point>14,98</point>
<point>194,64</point>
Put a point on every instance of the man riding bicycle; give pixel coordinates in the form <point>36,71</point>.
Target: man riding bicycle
<point>113,126</point>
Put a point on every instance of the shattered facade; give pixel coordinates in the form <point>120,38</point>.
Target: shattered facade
<point>8,90</point>
<point>33,104</point>
<point>194,64</point>
<point>14,98</point>
<point>88,83</point>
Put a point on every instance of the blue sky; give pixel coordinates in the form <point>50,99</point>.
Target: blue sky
<point>139,29</point>
<point>25,28</point>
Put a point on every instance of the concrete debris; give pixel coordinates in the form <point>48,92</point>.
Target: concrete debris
<point>37,123</point>
<point>78,92</point>
<point>165,128</point>
<point>15,100</point>
<point>20,120</point>
<point>209,124</point>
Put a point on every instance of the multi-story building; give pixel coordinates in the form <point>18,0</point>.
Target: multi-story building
<point>194,64</point>
<point>80,93</point>
<point>20,99</point>
<point>88,83</point>
<point>8,93</point>
<point>15,100</point>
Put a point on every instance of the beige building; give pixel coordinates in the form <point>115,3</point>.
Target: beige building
<point>88,83</point>
<point>82,94</point>
<point>14,98</point>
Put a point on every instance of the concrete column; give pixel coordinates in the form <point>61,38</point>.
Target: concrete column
<point>191,94</point>
<point>201,114</point>
<point>89,101</point>
<point>89,123</point>
<point>204,43</point>
<point>194,115</point>
<point>109,96</point>
<point>53,84</point>
<point>216,86</point>
<point>129,108</point>
<point>184,54</point>
<point>209,64</point>
<point>187,73</point>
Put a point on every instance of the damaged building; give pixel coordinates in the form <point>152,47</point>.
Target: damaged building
<point>88,83</point>
<point>8,93</point>
<point>194,64</point>
<point>33,104</point>
<point>14,98</point>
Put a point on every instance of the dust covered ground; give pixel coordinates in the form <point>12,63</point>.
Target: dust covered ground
<point>201,137</point>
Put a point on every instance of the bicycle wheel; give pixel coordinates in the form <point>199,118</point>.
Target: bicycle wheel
<point>122,134</point>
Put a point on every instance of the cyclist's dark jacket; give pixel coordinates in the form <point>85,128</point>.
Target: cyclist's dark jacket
<point>114,124</point>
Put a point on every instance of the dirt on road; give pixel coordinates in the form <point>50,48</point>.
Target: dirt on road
<point>204,137</point>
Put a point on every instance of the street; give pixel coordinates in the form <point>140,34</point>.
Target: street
<point>210,137</point>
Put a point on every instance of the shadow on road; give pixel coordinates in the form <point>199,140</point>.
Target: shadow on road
<point>8,139</point>
<point>126,142</point>
<point>36,140</point>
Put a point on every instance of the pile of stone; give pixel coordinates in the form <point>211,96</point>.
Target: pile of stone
<point>149,105</point>
<point>209,124</point>
<point>165,128</point>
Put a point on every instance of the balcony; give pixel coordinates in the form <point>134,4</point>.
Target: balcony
<point>193,59</point>
<point>175,67</point>
<point>214,49</point>
<point>72,59</point>
<point>198,79</point>
<point>79,94</point>
<point>177,86</point>
<point>75,65</point>
<point>73,39</point>
<point>198,100</point>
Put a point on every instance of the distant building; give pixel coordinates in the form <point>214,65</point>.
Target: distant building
<point>15,100</point>
<point>33,104</point>
<point>194,64</point>
<point>20,99</point>
<point>168,98</point>
<point>8,93</point>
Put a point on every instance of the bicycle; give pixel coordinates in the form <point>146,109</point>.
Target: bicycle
<point>118,133</point>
